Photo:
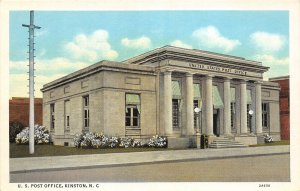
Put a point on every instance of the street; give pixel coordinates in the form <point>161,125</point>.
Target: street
<point>245,169</point>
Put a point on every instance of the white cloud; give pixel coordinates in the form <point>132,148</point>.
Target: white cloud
<point>143,42</point>
<point>59,65</point>
<point>267,42</point>
<point>53,66</point>
<point>210,37</point>
<point>278,66</point>
<point>19,84</point>
<point>270,60</point>
<point>181,44</point>
<point>92,48</point>
<point>46,71</point>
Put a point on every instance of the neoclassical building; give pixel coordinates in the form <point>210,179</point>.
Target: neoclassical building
<point>167,91</point>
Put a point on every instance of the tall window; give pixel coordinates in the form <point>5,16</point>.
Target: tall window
<point>265,115</point>
<point>67,115</point>
<point>232,115</point>
<point>196,104</point>
<point>86,113</point>
<point>232,108</point>
<point>132,111</point>
<point>176,104</point>
<point>249,116</point>
<point>175,113</point>
<point>52,116</point>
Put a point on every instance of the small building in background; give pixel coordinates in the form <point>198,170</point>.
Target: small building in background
<point>284,105</point>
<point>19,110</point>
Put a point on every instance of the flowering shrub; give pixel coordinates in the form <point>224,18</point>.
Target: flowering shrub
<point>127,142</point>
<point>136,143</point>
<point>268,138</point>
<point>158,141</point>
<point>94,140</point>
<point>77,140</point>
<point>14,129</point>
<point>41,135</point>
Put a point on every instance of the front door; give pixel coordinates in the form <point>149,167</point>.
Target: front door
<point>216,120</point>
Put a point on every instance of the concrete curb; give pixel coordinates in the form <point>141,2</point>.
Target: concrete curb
<point>37,164</point>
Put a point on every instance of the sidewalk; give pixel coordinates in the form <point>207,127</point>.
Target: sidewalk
<point>20,165</point>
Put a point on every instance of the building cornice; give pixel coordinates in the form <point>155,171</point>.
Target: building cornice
<point>279,78</point>
<point>197,56</point>
<point>98,67</point>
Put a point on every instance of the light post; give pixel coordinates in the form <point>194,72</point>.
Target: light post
<point>197,110</point>
<point>251,112</point>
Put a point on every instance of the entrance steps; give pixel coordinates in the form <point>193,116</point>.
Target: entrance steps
<point>224,142</point>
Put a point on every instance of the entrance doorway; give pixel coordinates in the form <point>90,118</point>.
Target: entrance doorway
<point>216,124</point>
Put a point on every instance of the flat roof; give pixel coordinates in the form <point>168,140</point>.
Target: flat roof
<point>99,66</point>
<point>195,52</point>
<point>280,78</point>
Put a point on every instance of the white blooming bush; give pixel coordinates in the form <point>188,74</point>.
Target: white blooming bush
<point>268,138</point>
<point>41,135</point>
<point>94,140</point>
<point>158,141</point>
<point>128,142</point>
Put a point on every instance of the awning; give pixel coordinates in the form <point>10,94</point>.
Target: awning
<point>232,94</point>
<point>176,92</point>
<point>132,99</point>
<point>249,100</point>
<point>197,94</point>
<point>200,103</point>
<point>217,101</point>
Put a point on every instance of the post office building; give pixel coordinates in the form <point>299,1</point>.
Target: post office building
<point>168,91</point>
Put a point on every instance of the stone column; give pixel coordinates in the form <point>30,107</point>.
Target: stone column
<point>227,112</point>
<point>189,104</point>
<point>209,105</point>
<point>258,112</point>
<point>243,111</point>
<point>168,103</point>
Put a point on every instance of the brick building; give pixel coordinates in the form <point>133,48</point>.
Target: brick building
<point>19,110</point>
<point>284,105</point>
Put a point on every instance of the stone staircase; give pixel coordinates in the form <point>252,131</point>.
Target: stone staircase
<point>224,142</point>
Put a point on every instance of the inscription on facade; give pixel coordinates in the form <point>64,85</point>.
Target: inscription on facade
<point>218,69</point>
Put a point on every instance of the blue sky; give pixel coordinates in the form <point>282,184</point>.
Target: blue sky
<point>70,40</point>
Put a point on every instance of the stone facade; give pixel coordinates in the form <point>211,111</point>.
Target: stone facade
<point>157,92</point>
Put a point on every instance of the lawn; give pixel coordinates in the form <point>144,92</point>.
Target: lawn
<point>283,142</point>
<point>17,151</point>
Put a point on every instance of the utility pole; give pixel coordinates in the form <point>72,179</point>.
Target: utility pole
<point>31,28</point>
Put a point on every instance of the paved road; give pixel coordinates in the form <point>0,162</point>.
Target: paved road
<point>260,168</point>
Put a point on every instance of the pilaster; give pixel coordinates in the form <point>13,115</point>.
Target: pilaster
<point>168,103</point>
<point>209,105</point>
<point>227,99</point>
<point>189,104</point>
<point>258,112</point>
<point>243,97</point>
